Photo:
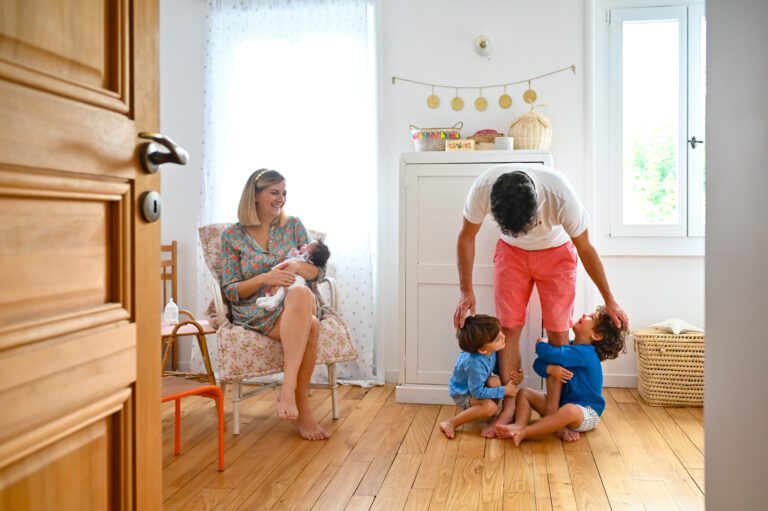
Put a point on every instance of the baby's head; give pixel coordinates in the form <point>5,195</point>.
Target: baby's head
<point>606,337</point>
<point>481,334</point>
<point>317,252</point>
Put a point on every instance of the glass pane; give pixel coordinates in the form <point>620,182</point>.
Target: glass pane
<point>651,121</point>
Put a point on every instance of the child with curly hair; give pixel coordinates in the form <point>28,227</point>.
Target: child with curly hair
<point>574,378</point>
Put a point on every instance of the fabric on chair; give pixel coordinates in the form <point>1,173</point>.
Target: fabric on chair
<point>245,353</point>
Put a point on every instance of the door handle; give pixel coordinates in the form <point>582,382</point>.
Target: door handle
<point>693,142</point>
<point>152,156</point>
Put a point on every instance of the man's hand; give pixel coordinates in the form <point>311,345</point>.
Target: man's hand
<point>466,305</point>
<point>617,314</point>
<point>559,373</point>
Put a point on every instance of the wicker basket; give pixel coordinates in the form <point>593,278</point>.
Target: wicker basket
<point>531,131</point>
<point>433,139</point>
<point>670,368</point>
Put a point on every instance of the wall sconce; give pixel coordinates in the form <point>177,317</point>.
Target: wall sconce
<point>483,45</point>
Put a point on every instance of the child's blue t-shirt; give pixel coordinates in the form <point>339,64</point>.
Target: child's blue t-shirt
<point>470,375</point>
<point>586,386</point>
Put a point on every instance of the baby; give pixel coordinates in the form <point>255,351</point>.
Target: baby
<point>315,252</point>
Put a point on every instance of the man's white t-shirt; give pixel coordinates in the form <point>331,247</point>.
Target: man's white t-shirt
<point>561,215</point>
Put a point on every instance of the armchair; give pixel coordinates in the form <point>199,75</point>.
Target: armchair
<point>245,354</point>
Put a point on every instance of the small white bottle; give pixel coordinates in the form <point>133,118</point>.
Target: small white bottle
<point>171,313</point>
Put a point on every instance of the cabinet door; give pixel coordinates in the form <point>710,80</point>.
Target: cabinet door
<point>434,200</point>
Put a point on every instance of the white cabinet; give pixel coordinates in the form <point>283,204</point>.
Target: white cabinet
<point>433,186</point>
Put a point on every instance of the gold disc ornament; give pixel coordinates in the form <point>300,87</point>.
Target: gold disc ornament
<point>530,96</point>
<point>481,104</point>
<point>433,101</point>
<point>457,103</point>
<point>505,101</point>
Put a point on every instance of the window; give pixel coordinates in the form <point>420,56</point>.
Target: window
<point>650,65</point>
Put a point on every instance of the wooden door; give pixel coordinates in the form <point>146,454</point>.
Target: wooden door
<point>79,322</point>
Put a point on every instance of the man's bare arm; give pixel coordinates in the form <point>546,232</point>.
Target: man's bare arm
<point>465,257</point>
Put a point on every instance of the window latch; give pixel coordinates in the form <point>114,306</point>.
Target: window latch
<point>693,142</point>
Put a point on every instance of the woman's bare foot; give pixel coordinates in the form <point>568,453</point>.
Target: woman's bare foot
<point>286,405</point>
<point>311,430</point>
<point>447,428</point>
<point>514,432</point>
<point>568,435</point>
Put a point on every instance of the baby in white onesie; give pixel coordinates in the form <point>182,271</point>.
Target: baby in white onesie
<point>315,252</point>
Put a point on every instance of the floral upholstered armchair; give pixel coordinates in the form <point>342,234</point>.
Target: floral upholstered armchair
<point>245,354</point>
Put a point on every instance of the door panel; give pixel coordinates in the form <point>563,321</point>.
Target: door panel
<point>79,332</point>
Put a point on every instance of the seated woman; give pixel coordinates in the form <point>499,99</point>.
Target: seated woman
<point>251,249</point>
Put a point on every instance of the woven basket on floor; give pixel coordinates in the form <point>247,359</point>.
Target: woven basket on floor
<point>670,368</point>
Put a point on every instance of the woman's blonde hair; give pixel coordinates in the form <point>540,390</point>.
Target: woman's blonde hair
<point>259,180</point>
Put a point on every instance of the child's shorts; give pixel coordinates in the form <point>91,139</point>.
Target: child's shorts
<point>462,401</point>
<point>591,419</point>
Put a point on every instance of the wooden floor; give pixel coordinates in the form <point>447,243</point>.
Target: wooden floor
<point>389,456</point>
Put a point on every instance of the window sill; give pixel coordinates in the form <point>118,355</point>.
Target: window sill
<point>650,247</point>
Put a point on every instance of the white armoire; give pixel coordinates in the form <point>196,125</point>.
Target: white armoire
<point>433,186</point>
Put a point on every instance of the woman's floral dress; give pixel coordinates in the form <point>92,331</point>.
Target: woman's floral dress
<point>242,258</point>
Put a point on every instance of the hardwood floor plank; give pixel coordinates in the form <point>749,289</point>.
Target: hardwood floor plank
<point>540,475</point>
<point>688,423</point>
<point>656,496</point>
<point>418,499</point>
<point>433,455</point>
<point>471,444</point>
<point>210,500</point>
<point>560,487</point>
<point>519,491</point>
<point>417,438</point>
<point>688,454</point>
<point>698,476</point>
<point>445,469</point>
<point>341,487</point>
<point>492,490</point>
<point>464,493</point>
<point>587,486</point>
<point>392,496</point>
<point>389,445</point>
<point>359,503</point>
<point>618,484</point>
<point>621,395</point>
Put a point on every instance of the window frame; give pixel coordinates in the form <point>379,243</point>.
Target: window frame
<point>613,237</point>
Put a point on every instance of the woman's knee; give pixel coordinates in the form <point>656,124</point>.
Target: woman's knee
<point>300,297</point>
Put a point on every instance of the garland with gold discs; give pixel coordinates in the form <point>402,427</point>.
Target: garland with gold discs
<point>481,103</point>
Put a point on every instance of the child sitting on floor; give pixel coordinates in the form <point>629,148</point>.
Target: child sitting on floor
<point>573,373</point>
<point>315,252</point>
<point>473,386</point>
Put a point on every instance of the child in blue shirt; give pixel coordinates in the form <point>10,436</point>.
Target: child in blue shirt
<point>574,377</point>
<point>473,386</point>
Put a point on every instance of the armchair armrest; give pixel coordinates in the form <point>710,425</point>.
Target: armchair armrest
<point>333,295</point>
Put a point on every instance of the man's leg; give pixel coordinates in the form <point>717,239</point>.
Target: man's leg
<point>554,391</point>
<point>509,360</point>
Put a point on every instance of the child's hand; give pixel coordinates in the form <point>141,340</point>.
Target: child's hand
<point>541,339</point>
<point>510,389</point>
<point>516,377</point>
<point>559,373</point>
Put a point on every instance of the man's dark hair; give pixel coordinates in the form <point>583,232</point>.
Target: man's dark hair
<point>320,254</point>
<point>613,336</point>
<point>477,331</point>
<point>513,203</point>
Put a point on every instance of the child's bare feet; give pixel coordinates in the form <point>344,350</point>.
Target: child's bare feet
<point>286,405</point>
<point>512,431</point>
<point>447,428</point>
<point>311,430</point>
<point>568,435</point>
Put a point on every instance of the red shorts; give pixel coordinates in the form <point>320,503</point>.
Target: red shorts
<point>553,270</point>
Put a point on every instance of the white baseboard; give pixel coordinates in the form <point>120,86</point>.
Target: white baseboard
<point>620,380</point>
<point>391,376</point>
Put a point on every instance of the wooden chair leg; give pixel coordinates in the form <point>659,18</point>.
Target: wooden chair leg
<point>220,408</point>
<point>236,394</point>
<point>334,389</point>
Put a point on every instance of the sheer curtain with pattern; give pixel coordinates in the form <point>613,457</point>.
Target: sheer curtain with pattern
<point>290,85</point>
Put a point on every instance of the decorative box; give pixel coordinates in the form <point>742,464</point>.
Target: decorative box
<point>433,139</point>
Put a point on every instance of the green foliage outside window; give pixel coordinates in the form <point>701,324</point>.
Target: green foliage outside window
<point>652,171</point>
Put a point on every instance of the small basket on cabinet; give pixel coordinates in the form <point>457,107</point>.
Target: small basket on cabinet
<point>670,368</point>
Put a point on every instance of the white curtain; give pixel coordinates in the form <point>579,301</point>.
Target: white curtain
<point>290,85</point>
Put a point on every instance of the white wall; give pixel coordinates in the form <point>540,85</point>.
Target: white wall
<point>432,40</point>
<point>182,47</point>
<point>736,393</point>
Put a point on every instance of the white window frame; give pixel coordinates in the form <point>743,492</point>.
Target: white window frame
<point>612,237</point>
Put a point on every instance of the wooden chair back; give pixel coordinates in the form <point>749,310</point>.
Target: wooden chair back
<point>169,272</point>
